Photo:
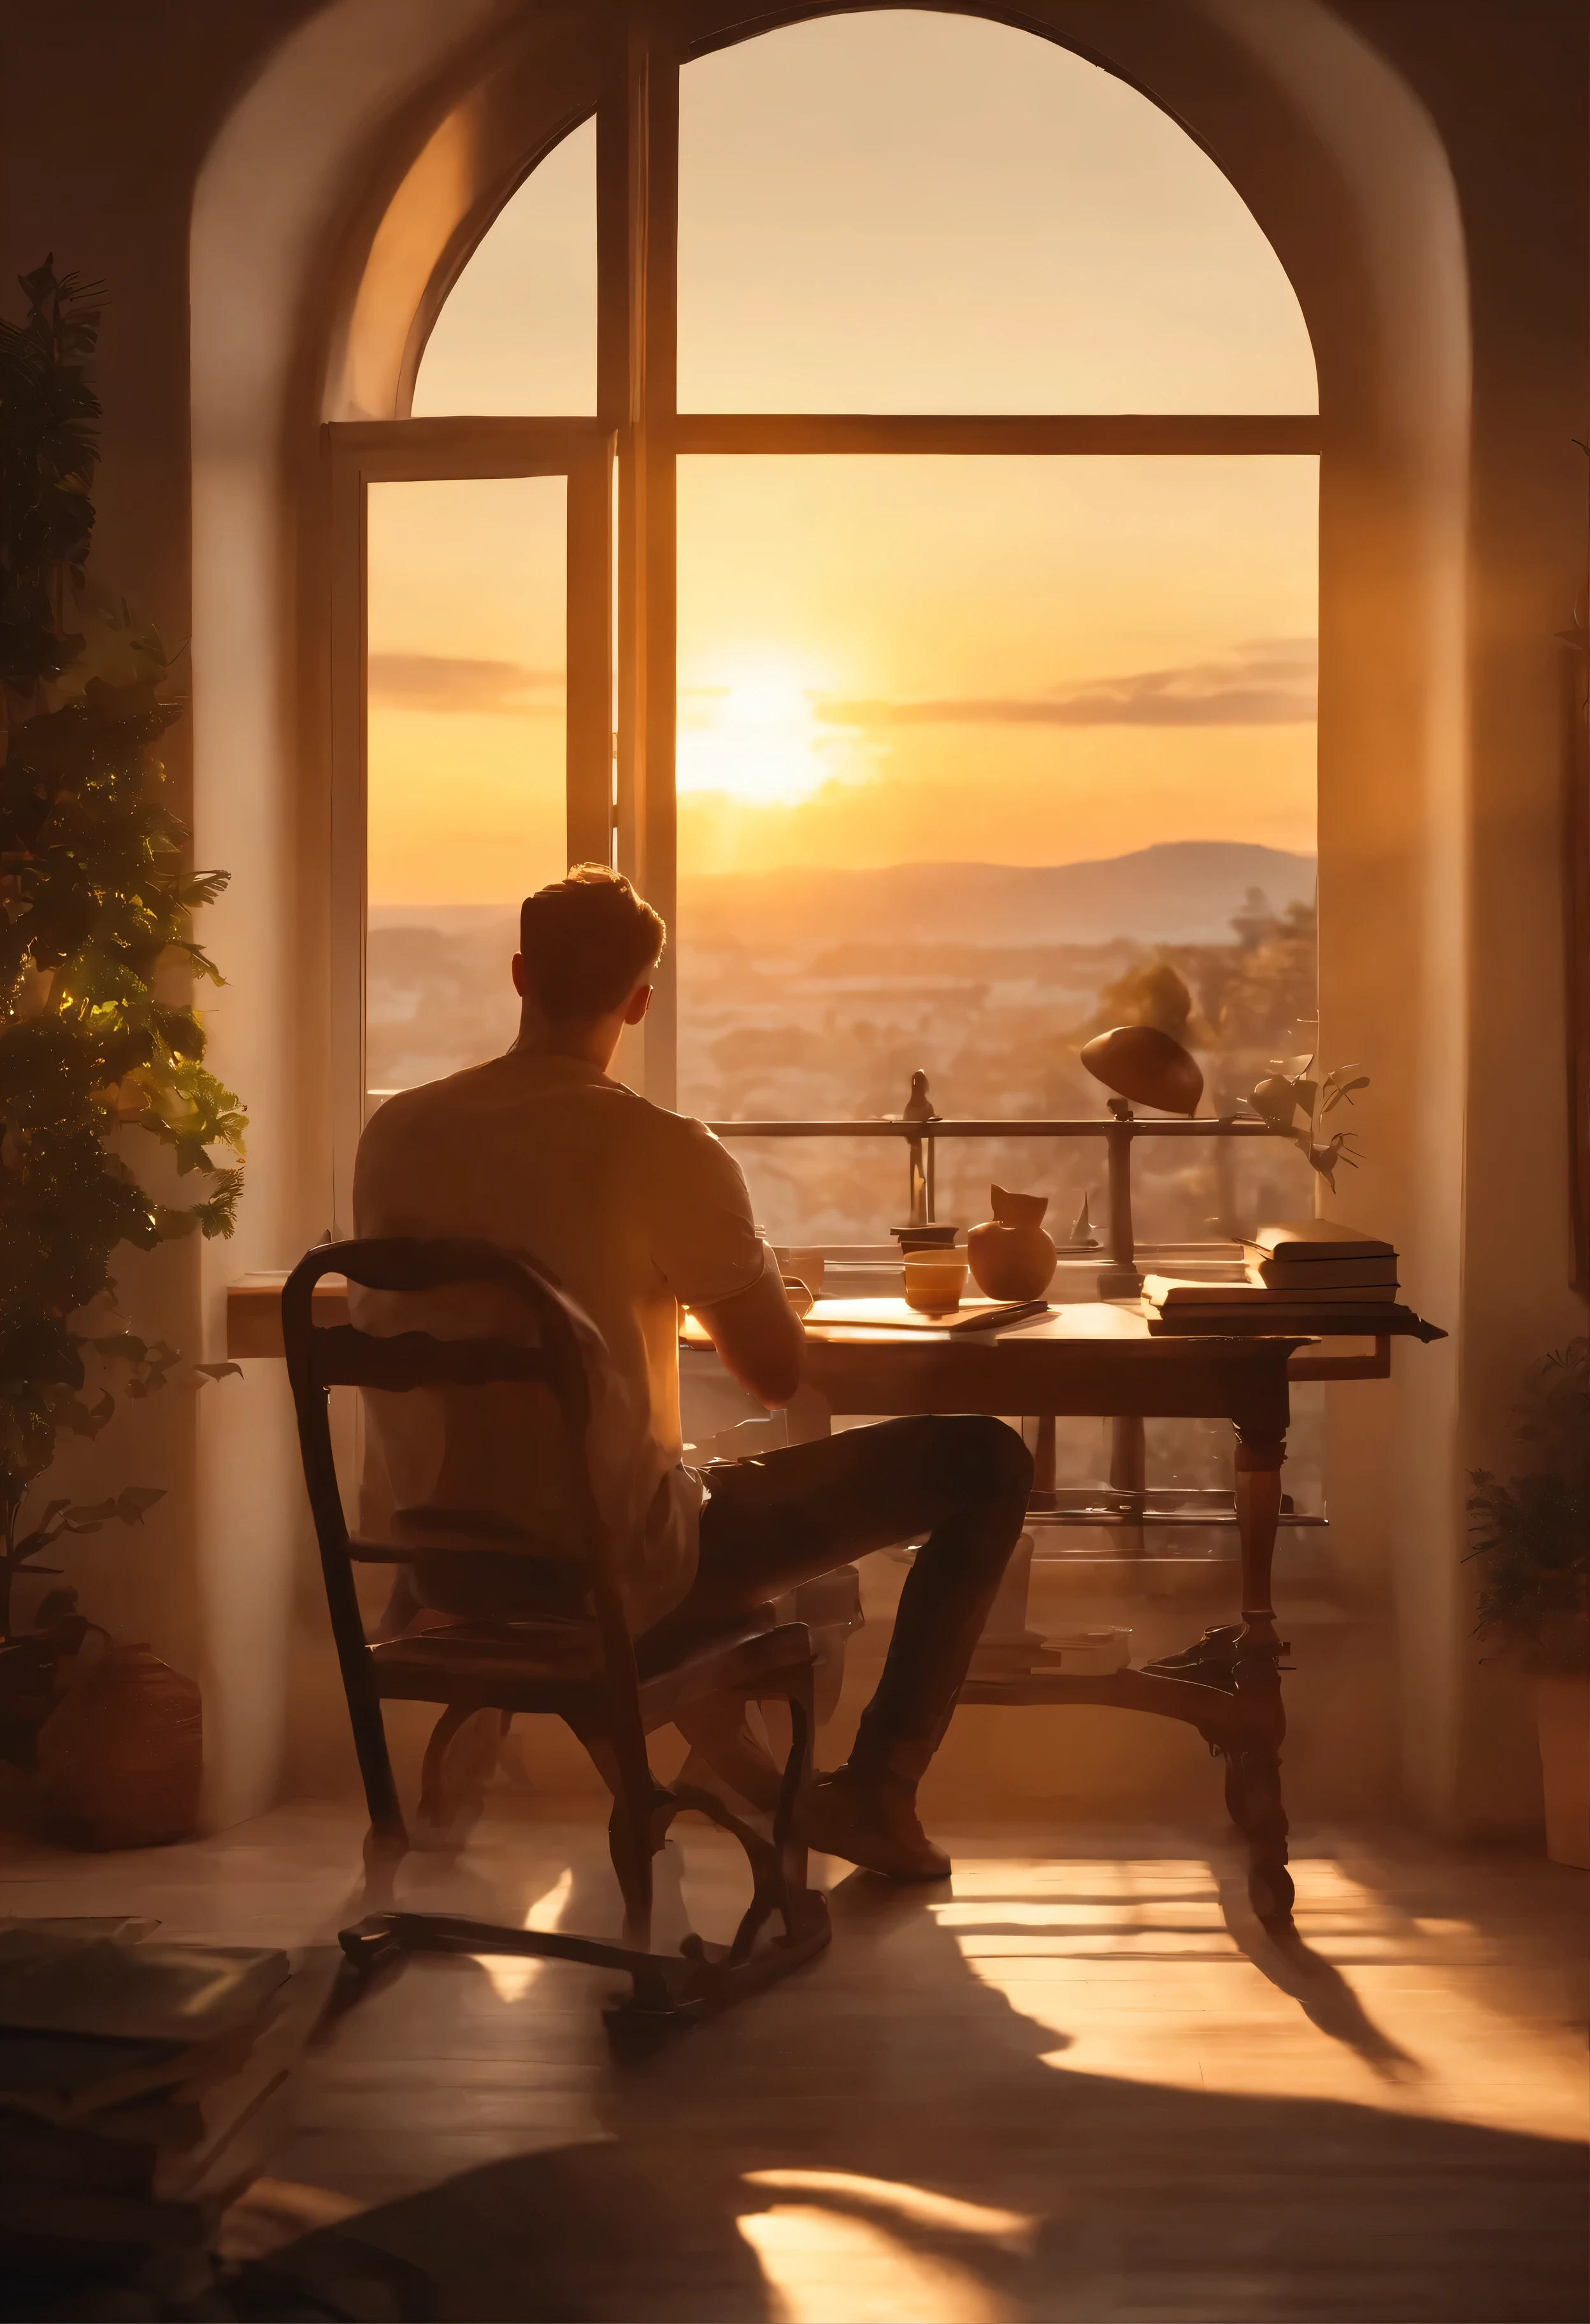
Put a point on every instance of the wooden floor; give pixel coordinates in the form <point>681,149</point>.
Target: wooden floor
<point>1077,2085</point>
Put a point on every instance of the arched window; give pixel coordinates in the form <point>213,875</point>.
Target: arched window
<point>952,424</point>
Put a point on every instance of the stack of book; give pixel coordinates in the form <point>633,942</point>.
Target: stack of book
<point>134,2079</point>
<point>1304,1275</point>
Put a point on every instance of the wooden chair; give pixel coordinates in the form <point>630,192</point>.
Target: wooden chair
<point>576,1661</point>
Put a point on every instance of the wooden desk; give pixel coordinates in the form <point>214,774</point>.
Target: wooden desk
<point>1098,1359</point>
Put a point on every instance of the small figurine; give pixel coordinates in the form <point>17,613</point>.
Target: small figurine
<point>923,1232</point>
<point>918,1106</point>
<point>1082,1235</point>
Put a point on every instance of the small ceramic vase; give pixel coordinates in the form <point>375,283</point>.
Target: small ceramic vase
<point>1010,1255</point>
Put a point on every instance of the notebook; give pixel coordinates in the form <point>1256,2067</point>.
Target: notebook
<point>1312,1277</point>
<point>895,1315</point>
<point>1358,1319</point>
<point>1169,1291</point>
<point>1306,1240</point>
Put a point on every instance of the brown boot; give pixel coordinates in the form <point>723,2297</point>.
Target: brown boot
<point>869,1816</point>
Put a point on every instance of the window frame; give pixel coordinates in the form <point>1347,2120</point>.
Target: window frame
<point>362,453</point>
<point>622,545</point>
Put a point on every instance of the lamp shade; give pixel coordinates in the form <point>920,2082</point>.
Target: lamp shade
<point>1141,1062</point>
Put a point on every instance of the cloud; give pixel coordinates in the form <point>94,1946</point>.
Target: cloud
<point>455,683</point>
<point>1271,682</point>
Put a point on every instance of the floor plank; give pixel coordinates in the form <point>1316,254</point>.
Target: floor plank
<point>1080,2083</point>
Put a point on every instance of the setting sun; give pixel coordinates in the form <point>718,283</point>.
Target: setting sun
<point>757,740</point>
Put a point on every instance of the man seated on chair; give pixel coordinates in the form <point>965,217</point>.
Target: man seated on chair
<point>637,1211</point>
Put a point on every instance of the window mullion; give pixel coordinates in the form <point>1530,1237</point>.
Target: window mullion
<point>637,231</point>
<point>589,656</point>
<point>658,806</point>
<point>346,494</point>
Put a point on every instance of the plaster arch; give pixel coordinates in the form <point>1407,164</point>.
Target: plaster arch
<point>408,123</point>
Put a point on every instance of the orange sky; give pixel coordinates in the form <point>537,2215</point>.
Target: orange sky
<point>1017,660</point>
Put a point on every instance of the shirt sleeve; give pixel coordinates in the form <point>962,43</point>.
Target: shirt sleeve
<point>704,1240</point>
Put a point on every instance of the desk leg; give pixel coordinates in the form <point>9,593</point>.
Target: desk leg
<point>1129,1476</point>
<point>1041,1496</point>
<point>1253,1770</point>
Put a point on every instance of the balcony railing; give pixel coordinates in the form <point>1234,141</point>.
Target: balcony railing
<point>1128,1503</point>
<point>1120,1131</point>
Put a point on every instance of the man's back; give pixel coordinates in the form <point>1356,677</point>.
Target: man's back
<point>632,1209</point>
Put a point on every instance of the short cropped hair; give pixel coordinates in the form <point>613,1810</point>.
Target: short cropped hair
<point>586,943</point>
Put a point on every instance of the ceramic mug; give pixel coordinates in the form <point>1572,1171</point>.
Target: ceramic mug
<point>935,1280</point>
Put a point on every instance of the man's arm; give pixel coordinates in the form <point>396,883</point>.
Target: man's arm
<point>759,1337</point>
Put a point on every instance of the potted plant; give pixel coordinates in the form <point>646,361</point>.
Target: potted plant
<point>1531,1543</point>
<point>101,1052</point>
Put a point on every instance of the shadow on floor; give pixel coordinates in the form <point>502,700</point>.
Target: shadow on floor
<point>905,2152</point>
<point>1318,1986</point>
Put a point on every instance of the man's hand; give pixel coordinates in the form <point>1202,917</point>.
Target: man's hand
<point>759,1337</point>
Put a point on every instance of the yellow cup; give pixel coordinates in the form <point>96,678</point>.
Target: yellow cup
<point>935,1280</point>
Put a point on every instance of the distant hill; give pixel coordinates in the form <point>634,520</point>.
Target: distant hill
<point>1183,891</point>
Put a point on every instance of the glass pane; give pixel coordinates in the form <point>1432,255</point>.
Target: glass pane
<point>518,333</point>
<point>467,788</point>
<point>900,211</point>
<point>978,757</point>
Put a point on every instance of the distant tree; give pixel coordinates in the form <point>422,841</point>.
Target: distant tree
<point>1256,920</point>
<point>1153,992</point>
<point>1272,1000</point>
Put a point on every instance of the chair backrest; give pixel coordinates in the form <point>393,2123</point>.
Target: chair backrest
<point>322,1357</point>
<point>341,1356</point>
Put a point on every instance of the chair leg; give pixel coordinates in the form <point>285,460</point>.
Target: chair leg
<point>778,1873</point>
<point>669,1993</point>
<point>635,1832</point>
<point>629,1843</point>
<point>375,1763</point>
<point>453,1783</point>
<point>797,1774</point>
<point>779,1866</point>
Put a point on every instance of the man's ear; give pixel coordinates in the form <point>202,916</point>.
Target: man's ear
<point>639,1003</point>
<point>518,974</point>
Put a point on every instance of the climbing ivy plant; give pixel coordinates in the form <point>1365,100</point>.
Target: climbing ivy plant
<point>97,950</point>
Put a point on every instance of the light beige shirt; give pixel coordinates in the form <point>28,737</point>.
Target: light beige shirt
<point>635,1212</point>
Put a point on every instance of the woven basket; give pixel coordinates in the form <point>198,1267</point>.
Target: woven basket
<point>121,1756</point>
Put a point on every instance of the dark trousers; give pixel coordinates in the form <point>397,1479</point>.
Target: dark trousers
<point>962,1481</point>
